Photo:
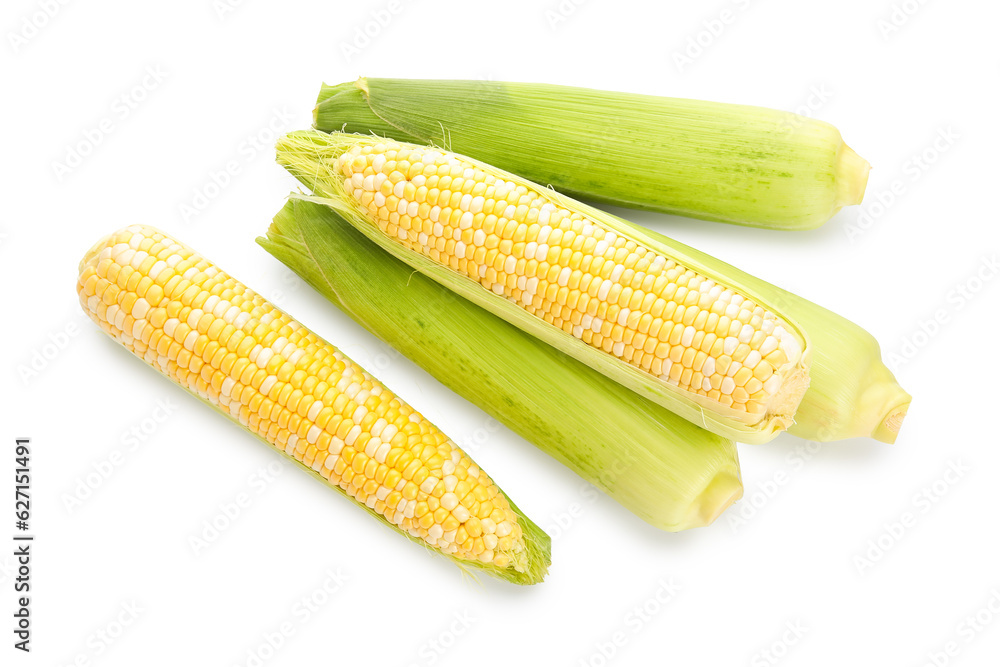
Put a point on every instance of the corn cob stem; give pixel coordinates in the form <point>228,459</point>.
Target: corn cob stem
<point>851,176</point>
<point>658,465</point>
<point>726,162</point>
<point>227,345</point>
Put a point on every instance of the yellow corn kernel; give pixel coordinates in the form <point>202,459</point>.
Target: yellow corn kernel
<point>286,385</point>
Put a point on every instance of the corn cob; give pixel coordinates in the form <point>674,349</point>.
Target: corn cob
<point>709,349</point>
<point>726,162</point>
<point>664,469</point>
<point>676,326</point>
<point>229,346</point>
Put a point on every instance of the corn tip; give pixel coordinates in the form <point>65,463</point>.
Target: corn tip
<point>888,428</point>
<point>851,172</point>
<point>722,491</point>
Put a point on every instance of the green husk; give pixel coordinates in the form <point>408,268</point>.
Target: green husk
<point>662,468</point>
<point>851,394</point>
<point>730,163</point>
<point>310,156</point>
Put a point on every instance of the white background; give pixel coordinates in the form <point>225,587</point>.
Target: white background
<point>788,554</point>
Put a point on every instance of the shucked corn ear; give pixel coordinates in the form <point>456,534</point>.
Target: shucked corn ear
<point>681,328</point>
<point>667,471</point>
<point>226,344</point>
<point>732,163</point>
<point>651,318</point>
